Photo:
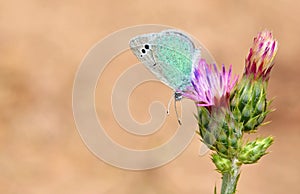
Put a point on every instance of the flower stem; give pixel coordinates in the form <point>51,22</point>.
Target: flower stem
<point>230,179</point>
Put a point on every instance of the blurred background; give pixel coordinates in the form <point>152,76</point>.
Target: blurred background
<point>41,46</point>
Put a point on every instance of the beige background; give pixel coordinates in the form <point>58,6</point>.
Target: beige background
<point>41,46</point>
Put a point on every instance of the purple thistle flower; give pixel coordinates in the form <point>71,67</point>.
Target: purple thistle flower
<point>259,61</point>
<point>210,87</point>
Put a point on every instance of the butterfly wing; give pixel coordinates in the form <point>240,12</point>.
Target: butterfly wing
<point>170,55</point>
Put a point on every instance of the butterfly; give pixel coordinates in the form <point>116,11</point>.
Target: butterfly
<point>170,55</point>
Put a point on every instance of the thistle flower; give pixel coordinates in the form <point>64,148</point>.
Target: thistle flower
<point>259,61</point>
<point>211,92</point>
<point>210,87</point>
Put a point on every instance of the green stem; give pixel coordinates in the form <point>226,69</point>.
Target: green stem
<point>230,179</point>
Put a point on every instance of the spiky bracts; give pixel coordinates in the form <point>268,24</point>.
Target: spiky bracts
<point>249,104</point>
<point>219,131</point>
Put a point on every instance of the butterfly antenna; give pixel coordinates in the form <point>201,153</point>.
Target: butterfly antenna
<point>178,118</point>
<point>153,58</point>
<point>169,104</point>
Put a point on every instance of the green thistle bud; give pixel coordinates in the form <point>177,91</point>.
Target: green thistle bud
<point>248,103</point>
<point>253,151</point>
<point>219,131</point>
<point>223,164</point>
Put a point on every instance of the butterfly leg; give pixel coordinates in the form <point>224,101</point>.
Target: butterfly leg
<point>177,97</point>
<point>169,104</point>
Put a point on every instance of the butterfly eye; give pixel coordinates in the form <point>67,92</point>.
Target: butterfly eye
<point>147,46</point>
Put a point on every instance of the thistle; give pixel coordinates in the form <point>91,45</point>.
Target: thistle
<point>227,109</point>
<point>211,91</point>
<point>249,103</point>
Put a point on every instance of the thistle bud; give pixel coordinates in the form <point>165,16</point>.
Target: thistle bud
<point>259,61</point>
<point>248,102</point>
<point>223,164</point>
<point>253,151</point>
